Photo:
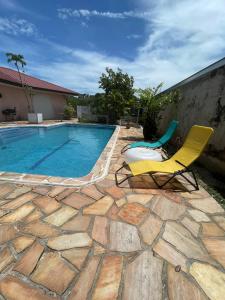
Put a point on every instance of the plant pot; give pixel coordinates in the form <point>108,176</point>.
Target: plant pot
<point>149,130</point>
<point>35,118</point>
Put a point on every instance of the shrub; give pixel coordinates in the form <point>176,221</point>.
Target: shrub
<point>69,112</point>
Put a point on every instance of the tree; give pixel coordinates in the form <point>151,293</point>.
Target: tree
<point>119,93</point>
<point>19,61</point>
<point>153,102</point>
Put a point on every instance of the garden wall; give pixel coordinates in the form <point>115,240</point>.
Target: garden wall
<point>202,103</point>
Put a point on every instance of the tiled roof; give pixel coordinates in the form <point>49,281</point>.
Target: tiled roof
<point>12,77</point>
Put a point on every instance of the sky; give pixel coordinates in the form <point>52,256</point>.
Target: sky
<point>71,42</point>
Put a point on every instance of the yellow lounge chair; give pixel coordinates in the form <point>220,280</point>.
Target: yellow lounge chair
<point>178,164</point>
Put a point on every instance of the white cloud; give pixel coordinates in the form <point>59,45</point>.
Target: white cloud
<point>182,37</point>
<point>17,26</point>
<point>65,13</point>
<point>133,36</point>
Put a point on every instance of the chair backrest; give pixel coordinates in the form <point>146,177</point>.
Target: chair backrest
<point>169,132</point>
<point>194,144</point>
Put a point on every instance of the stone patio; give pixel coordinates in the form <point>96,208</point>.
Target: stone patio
<point>103,242</point>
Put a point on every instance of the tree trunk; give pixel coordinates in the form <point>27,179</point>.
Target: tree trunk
<point>24,88</point>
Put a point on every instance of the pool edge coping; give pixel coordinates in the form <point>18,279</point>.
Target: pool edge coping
<point>98,172</point>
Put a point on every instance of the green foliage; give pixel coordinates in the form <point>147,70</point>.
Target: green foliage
<point>153,102</point>
<point>71,100</point>
<point>69,112</point>
<point>17,59</point>
<point>119,93</point>
<point>20,62</point>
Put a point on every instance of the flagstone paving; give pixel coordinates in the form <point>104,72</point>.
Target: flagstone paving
<point>102,242</point>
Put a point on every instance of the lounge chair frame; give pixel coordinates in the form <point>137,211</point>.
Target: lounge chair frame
<point>126,147</point>
<point>160,186</point>
<point>161,144</point>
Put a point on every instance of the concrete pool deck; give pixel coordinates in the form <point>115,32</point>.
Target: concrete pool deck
<point>103,242</point>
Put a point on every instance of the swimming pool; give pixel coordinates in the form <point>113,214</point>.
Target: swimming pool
<point>65,151</point>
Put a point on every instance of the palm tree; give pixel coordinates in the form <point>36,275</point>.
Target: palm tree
<point>19,61</point>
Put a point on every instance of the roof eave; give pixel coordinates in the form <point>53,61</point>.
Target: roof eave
<point>41,89</point>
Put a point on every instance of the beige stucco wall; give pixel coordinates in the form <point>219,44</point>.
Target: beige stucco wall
<point>50,104</point>
<point>202,103</point>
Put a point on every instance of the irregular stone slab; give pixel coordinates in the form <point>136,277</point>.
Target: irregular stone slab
<point>198,216</point>
<point>150,229</point>
<point>27,263</point>
<point>124,237</point>
<point>210,280</point>
<point>46,204</point>
<point>107,286</point>
<point>172,195</point>
<point>40,229</point>
<point>91,191</point>
<point>35,215</point>
<point>113,212</point>
<point>133,213</point>
<point>182,239</point>
<point>37,178</point>
<point>211,229</point>
<point>192,226</point>
<point>5,258</point>
<point>3,212</point>
<point>98,250</point>
<point>121,202</point>
<point>84,283</point>
<point>170,254</point>
<point>143,278</point>
<point>115,192</point>
<point>65,193</point>
<point>201,193</point>
<point>100,207</point>
<point>139,198</point>
<point>216,249</point>
<point>5,189</point>
<point>13,288</point>
<point>77,200</point>
<point>220,220</point>
<point>79,223</point>
<point>68,241</point>
<point>167,209</point>
<point>53,273</point>
<point>61,216</point>
<point>7,233</point>
<point>179,287</point>
<point>207,205</point>
<point>75,256</point>
<point>22,242</point>
<point>3,201</point>
<point>99,231</point>
<point>18,192</point>
<point>42,190</point>
<point>55,191</point>
<point>18,214</point>
<point>19,201</point>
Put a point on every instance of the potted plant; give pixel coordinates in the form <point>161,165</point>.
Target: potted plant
<point>153,101</point>
<point>20,62</point>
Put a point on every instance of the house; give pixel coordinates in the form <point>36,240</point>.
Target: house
<point>46,98</point>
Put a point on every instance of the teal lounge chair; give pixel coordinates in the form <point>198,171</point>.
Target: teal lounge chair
<point>162,141</point>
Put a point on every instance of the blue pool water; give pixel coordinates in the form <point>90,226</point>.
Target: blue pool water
<point>66,151</point>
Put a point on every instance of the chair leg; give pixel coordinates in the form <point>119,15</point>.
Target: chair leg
<point>161,185</point>
<point>127,176</point>
<point>195,183</point>
<point>125,148</point>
